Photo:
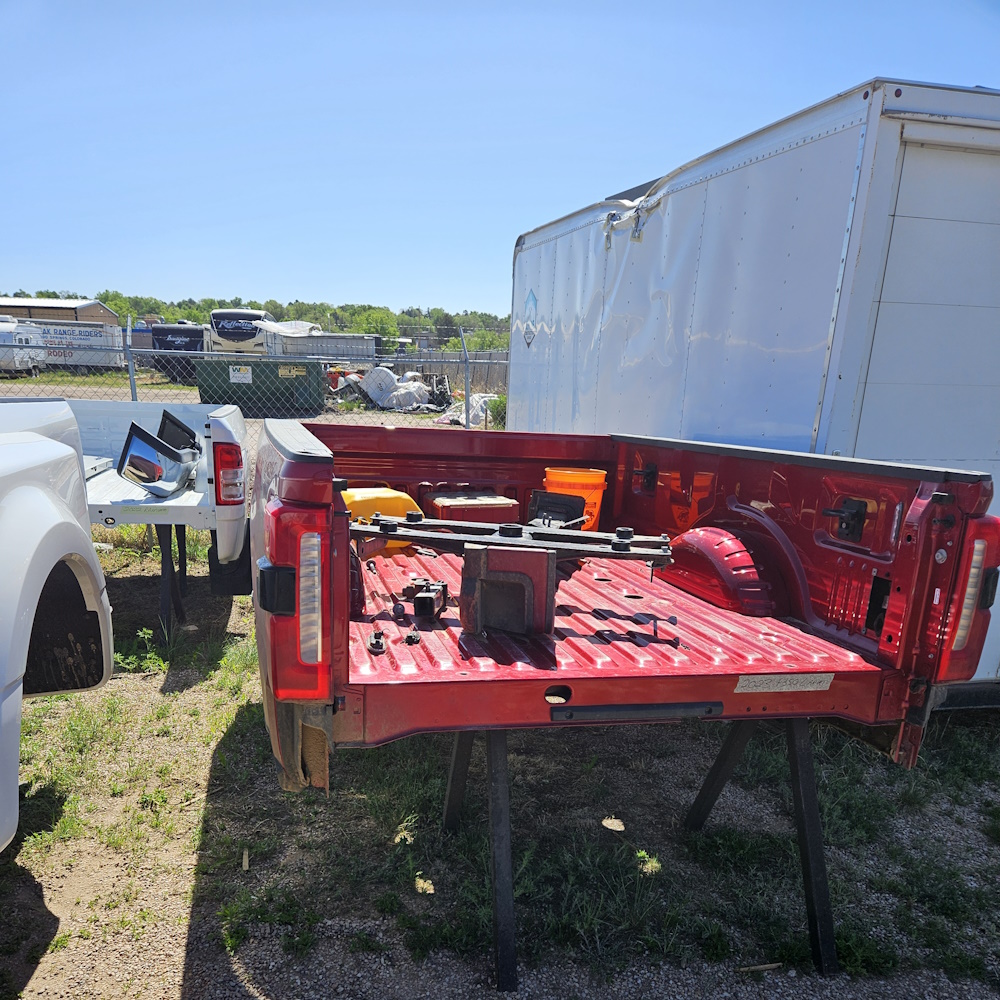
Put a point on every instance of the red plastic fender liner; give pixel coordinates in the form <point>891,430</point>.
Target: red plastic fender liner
<point>713,564</point>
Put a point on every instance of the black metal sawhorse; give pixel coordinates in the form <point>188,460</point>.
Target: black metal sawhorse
<point>173,583</point>
<point>807,823</point>
<point>501,866</point>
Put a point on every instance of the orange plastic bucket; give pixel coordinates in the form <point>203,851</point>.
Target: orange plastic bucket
<point>587,483</point>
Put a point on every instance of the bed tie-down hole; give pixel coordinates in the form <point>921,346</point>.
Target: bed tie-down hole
<point>558,694</point>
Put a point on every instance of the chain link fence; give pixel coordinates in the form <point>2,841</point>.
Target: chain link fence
<point>438,389</point>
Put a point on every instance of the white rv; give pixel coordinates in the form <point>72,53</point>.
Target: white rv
<point>21,349</point>
<point>830,283</point>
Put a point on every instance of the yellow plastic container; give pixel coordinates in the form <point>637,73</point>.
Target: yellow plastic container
<point>587,483</point>
<point>366,501</point>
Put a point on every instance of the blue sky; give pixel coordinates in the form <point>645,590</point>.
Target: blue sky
<point>392,153</point>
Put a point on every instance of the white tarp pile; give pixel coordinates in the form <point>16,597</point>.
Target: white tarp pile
<point>388,392</point>
<point>293,328</point>
<point>455,414</point>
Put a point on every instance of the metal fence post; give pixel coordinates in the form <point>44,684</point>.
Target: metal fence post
<point>468,382</point>
<point>131,362</point>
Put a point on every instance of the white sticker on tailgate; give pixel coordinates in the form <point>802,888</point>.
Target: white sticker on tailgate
<point>761,683</point>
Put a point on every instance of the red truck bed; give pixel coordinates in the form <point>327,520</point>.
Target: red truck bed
<point>605,651</point>
<point>605,615</point>
<point>802,585</point>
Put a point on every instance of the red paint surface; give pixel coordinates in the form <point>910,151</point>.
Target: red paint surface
<point>604,648</point>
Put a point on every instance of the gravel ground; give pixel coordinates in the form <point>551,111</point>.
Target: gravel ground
<point>176,964</point>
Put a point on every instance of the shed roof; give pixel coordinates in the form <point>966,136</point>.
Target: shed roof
<point>7,302</point>
<point>15,300</point>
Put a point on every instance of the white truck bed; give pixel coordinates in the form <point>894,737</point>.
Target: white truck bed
<point>104,426</point>
<point>113,500</point>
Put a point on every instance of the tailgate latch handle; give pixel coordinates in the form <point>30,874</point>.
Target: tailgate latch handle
<point>647,476</point>
<point>851,517</point>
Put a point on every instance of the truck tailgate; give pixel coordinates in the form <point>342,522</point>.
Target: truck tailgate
<point>113,500</point>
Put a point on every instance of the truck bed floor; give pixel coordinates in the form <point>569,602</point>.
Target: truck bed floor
<point>611,620</point>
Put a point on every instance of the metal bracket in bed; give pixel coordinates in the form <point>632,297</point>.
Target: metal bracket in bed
<point>453,536</point>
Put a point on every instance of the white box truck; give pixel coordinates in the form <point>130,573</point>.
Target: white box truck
<point>830,283</point>
<point>82,345</point>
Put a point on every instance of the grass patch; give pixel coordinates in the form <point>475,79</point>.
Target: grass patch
<point>861,954</point>
<point>61,742</point>
<point>133,538</point>
<point>106,378</point>
<point>273,906</point>
<point>497,410</point>
<point>59,942</point>
<point>742,852</point>
<point>388,904</point>
<point>991,821</point>
<point>364,942</point>
<point>854,808</point>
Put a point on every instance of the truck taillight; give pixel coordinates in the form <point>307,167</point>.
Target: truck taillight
<point>230,485</point>
<point>297,550</point>
<point>310,609</point>
<point>971,598</point>
<point>969,614</point>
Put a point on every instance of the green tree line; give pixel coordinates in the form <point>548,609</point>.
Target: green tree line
<point>483,331</point>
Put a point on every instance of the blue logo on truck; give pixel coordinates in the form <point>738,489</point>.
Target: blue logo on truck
<point>530,317</point>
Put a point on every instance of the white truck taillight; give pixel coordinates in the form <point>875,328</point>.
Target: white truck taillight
<point>971,598</point>
<point>310,603</point>
<point>230,483</point>
<point>969,610</point>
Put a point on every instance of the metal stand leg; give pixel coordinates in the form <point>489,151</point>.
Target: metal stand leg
<point>807,824</point>
<point>720,773</point>
<point>169,589</point>
<point>501,867</point>
<point>810,830</point>
<point>458,774</point>
<point>182,558</point>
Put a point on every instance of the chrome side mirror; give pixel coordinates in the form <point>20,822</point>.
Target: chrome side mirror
<point>149,462</point>
<point>176,434</point>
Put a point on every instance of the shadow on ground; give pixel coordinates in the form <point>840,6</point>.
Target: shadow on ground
<point>243,803</point>
<point>28,927</point>
<point>367,884</point>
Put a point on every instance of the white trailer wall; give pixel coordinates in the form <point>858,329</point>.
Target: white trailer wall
<point>932,393</point>
<point>712,295</point>
<point>559,286</point>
